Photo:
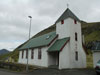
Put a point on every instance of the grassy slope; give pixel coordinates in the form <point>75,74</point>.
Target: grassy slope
<point>93,36</point>
<point>13,54</point>
<point>90,30</point>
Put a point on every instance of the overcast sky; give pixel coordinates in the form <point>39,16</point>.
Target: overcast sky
<point>14,21</point>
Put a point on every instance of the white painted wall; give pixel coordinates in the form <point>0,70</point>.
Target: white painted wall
<point>77,46</point>
<point>68,29</point>
<point>96,58</point>
<point>64,57</point>
<point>39,62</point>
<point>24,60</point>
<point>20,57</point>
<point>63,29</point>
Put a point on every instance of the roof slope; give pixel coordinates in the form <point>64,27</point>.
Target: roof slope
<point>42,40</point>
<point>57,46</point>
<point>67,14</point>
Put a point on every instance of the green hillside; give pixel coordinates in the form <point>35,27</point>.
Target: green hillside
<point>14,55</point>
<point>91,32</point>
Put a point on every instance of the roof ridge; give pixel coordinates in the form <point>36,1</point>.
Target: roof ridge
<point>45,34</point>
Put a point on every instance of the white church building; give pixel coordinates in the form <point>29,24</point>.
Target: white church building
<point>62,47</point>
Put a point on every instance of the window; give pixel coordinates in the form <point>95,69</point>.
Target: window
<point>76,56</point>
<point>27,53</point>
<point>62,21</point>
<point>75,36</point>
<point>75,22</point>
<point>32,54</point>
<point>39,53</point>
<point>22,54</point>
<point>48,37</point>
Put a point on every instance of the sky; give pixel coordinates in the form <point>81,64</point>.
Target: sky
<point>14,21</point>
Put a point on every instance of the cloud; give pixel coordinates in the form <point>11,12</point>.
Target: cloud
<point>10,45</point>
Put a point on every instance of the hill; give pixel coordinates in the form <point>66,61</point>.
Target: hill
<point>3,51</point>
<point>91,32</point>
<point>13,54</point>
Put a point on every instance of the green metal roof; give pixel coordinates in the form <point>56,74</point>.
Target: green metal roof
<point>66,14</point>
<point>43,40</point>
<point>58,45</point>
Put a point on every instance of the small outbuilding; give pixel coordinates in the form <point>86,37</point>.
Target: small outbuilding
<point>96,52</point>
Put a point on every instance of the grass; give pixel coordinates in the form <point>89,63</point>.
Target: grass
<point>93,36</point>
<point>89,60</point>
<point>14,55</point>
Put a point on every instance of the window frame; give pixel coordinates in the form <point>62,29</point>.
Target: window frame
<point>22,54</point>
<point>39,53</point>
<point>75,21</point>
<point>76,38</point>
<point>62,21</point>
<point>32,54</point>
<point>76,55</point>
<point>27,54</point>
